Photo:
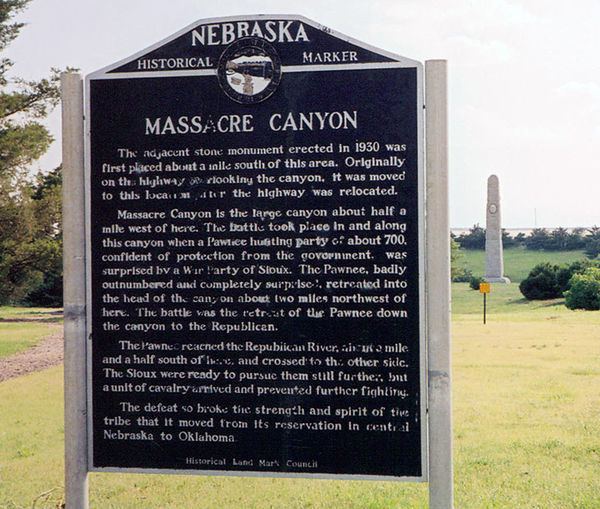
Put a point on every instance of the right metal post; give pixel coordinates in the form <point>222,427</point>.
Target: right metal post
<point>441,475</point>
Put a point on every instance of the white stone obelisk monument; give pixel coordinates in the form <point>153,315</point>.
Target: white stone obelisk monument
<point>494,258</point>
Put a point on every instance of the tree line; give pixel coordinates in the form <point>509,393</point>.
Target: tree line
<point>30,203</point>
<point>539,239</point>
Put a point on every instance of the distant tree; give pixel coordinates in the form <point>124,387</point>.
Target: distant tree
<point>592,243</point>
<point>537,239</point>
<point>458,273</point>
<point>46,203</point>
<point>558,240</point>
<point>576,239</point>
<point>30,239</point>
<point>508,240</point>
<point>592,248</point>
<point>520,238</point>
<point>475,239</point>
<point>23,103</point>
<point>25,248</point>
<point>594,230</point>
<point>454,257</point>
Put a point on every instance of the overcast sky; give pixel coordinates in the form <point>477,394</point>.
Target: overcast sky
<point>524,81</point>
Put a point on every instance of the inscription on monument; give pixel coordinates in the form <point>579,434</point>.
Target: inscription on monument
<point>255,258</point>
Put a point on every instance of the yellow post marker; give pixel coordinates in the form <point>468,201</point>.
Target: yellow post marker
<point>485,288</point>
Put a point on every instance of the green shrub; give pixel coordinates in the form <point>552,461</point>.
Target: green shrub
<point>542,283</point>
<point>592,248</point>
<point>547,281</point>
<point>585,290</point>
<point>566,272</point>
<point>48,293</point>
<point>474,282</point>
<point>462,276</point>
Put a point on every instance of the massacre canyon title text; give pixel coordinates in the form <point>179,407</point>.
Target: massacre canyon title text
<point>206,124</point>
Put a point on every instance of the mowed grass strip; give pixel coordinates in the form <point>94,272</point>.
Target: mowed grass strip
<point>467,304</point>
<point>31,438</point>
<point>31,463</point>
<point>527,412</point>
<point>526,427</point>
<point>518,261</point>
<point>25,327</point>
<point>526,422</point>
<point>28,313</point>
<point>18,336</point>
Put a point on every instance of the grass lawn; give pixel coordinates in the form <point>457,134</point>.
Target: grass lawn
<point>18,336</point>
<point>24,327</point>
<point>503,299</point>
<point>27,313</point>
<point>526,426</point>
<point>517,261</point>
<point>526,402</point>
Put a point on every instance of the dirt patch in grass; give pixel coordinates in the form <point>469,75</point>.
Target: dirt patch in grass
<point>49,352</point>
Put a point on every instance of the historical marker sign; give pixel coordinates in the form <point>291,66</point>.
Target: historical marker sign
<point>255,261</point>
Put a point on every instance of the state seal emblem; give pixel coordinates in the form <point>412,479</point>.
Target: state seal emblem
<point>249,70</point>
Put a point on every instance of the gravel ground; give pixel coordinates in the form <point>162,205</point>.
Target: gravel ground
<point>48,353</point>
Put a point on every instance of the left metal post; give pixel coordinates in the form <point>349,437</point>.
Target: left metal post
<point>74,293</point>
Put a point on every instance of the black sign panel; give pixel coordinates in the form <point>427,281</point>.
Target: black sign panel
<point>255,252</point>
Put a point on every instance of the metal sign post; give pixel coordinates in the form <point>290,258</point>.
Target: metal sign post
<point>485,288</point>
<point>438,288</point>
<point>76,468</point>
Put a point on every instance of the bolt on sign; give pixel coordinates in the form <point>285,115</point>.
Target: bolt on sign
<point>255,224</point>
